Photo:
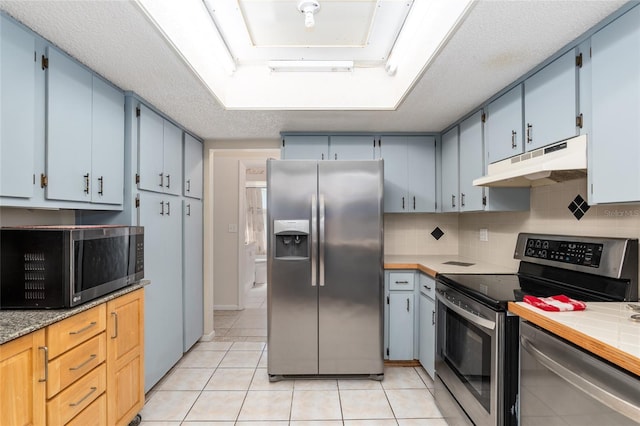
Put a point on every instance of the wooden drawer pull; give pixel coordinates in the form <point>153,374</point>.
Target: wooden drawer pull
<point>82,330</point>
<point>75,404</point>
<point>91,358</point>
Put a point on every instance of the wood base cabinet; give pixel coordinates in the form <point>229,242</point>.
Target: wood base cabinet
<point>23,401</point>
<point>125,357</point>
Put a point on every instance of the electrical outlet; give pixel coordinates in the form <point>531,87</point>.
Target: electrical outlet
<point>484,234</point>
<point>233,227</point>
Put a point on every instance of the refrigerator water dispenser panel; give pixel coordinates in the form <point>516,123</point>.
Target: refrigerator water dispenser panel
<point>292,239</point>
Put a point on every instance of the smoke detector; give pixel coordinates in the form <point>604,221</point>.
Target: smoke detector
<point>309,8</point>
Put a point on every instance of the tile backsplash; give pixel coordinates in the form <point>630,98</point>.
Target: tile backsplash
<point>549,214</point>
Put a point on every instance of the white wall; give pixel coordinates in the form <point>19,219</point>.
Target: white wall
<point>16,217</point>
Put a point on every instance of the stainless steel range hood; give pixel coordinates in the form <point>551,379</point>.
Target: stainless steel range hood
<point>559,162</point>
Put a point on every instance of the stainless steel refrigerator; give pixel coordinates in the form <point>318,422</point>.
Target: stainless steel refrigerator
<point>325,268</point>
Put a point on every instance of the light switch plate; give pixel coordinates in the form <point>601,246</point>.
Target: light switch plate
<point>484,234</point>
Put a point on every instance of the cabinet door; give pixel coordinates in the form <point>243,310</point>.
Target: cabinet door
<point>192,167</point>
<point>192,282</point>
<point>450,199</point>
<point>401,325</point>
<point>69,103</point>
<point>427,334</point>
<point>160,215</point>
<point>471,166</point>
<point>172,159</point>
<point>503,130</point>
<point>305,148</point>
<point>393,150</point>
<point>421,182</point>
<point>21,371</point>
<point>150,150</point>
<point>125,352</point>
<point>614,151</point>
<point>17,110</point>
<point>107,148</point>
<point>550,103</point>
<point>351,148</point>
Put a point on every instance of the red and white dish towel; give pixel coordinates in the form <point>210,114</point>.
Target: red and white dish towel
<point>557,303</point>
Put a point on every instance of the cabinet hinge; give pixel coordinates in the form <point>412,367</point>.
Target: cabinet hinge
<point>387,351</point>
<point>283,143</point>
<point>137,111</point>
<point>579,61</point>
<point>45,62</point>
<point>484,200</point>
<point>137,201</point>
<point>484,117</point>
<point>579,121</point>
<point>44,180</point>
<point>374,142</point>
<point>387,300</point>
<point>137,178</point>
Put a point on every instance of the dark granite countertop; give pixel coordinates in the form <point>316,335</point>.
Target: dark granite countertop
<point>16,323</point>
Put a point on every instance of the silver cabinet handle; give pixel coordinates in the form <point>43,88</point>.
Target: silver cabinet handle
<point>335,156</point>
<point>161,179</point>
<point>321,242</point>
<point>78,367</point>
<point>594,390</point>
<point>46,363</point>
<point>529,132</point>
<point>188,185</point>
<point>168,208</point>
<point>188,209</point>
<point>168,181</point>
<point>427,287</point>
<point>407,304</point>
<point>75,404</point>
<point>402,282</point>
<point>322,156</point>
<point>402,203</point>
<point>433,317</point>
<point>86,183</point>
<point>513,139</point>
<point>83,329</point>
<point>115,325</point>
<point>101,185</point>
<point>414,202</point>
<point>161,208</point>
<point>314,239</point>
<point>453,200</point>
<point>462,199</point>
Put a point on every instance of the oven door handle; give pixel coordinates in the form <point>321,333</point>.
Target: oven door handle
<point>597,391</point>
<point>482,322</point>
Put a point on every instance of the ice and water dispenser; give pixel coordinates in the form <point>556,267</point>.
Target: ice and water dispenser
<point>292,239</point>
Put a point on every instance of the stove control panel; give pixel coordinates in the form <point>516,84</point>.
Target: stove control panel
<point>576,253</point>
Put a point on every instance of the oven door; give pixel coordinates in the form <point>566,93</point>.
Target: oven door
<point>468,341</point>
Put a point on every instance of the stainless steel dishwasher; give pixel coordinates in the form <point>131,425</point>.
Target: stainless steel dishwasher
<point>563,384</point>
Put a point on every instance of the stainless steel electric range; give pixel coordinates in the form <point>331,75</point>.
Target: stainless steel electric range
<point>477,340</point>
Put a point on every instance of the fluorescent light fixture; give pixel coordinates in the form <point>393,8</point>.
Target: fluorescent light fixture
<point>311,66</point>
<point>220,48</point>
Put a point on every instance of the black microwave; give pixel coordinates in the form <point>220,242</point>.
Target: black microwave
<point>50,267</point>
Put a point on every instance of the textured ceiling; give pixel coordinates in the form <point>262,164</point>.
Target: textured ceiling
<point>498,42</point>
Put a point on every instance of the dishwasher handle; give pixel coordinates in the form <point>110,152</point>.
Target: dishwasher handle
<point>600,391</point>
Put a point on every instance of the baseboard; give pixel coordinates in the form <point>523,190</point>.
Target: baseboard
<point>407,363</point>
<point>208,337</point>
<point>226,308</point>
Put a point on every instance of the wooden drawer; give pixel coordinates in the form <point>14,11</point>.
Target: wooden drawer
<point>401,280</point>
<point>74,330</point>
<point>71,401</point>
<point>75,363</point>
<point>94,415</point>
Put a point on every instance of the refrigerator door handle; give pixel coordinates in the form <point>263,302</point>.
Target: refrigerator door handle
<point>321,245</point>
<point>314,239</point>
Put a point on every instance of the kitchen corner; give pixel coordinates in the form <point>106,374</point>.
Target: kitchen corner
<point>443,264</point>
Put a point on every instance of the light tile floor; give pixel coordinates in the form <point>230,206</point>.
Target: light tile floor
<point>225,382</point>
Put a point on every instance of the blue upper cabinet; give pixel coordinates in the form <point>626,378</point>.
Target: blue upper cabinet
<point>107,144</point>
<point>409,174</point>
<point>449,175</point>
<point>305,147</point>
<point>614,148</point>
<point>192,167</point>
<point>471,165</point>
<point>351,147</point>
<point>17,111</point>
<point>550,103</point>
<point>503,129</point>
<point>69,132</point>
<point>159,153</point>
